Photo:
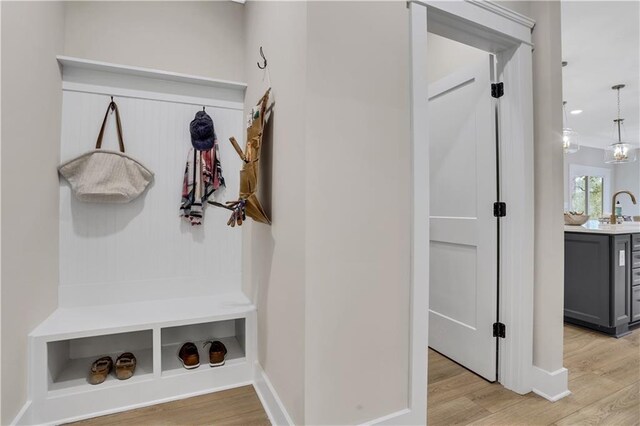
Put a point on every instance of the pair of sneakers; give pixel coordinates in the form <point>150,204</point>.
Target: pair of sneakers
<point>190,357</point>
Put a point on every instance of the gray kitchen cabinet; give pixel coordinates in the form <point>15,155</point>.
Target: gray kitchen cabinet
<point>599,281</point>
<point>586,278</point>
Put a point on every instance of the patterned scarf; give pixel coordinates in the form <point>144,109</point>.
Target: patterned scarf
<point>202,177</point>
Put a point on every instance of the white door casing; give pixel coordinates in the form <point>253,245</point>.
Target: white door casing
<point>496,29</point>
<point>463,230</point>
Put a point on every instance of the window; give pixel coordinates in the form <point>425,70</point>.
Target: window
<point>588,195</point>
<point>587,190</point>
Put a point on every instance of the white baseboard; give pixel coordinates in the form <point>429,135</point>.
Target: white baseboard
<point>279,416</point>
<point>270,400</point>
<point>23,416</point>
<point>397,418</point>
<point>552,386</point>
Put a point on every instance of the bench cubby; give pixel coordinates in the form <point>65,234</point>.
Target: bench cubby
<point>230,332</point>
<point>69,361</point>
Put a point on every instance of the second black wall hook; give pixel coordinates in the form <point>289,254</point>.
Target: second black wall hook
<point>264,65</point>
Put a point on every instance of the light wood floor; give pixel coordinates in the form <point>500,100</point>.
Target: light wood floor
<point>239,406</point>
<point>604,378</point>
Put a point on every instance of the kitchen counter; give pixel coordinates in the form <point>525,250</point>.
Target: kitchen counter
<point>595,227</point>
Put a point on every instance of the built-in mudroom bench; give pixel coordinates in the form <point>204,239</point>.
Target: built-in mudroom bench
<point>602,276</point>
<point>64,346</point>
<point>136,277</point>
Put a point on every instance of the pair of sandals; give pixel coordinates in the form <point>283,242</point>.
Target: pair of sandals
<point>125,366</point>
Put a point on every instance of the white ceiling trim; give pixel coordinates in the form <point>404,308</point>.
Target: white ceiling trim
<point>504,12</point>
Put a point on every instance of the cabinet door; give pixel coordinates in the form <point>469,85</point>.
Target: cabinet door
<point>586,278</point>
<point>620,279</point>
<point>635,304</point>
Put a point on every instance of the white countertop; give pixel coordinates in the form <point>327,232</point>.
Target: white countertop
<point>595,227</point>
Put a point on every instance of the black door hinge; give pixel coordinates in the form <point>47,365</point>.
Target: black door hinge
<point>497,90</point>
<point>499,330</point>
<point>499,209</point>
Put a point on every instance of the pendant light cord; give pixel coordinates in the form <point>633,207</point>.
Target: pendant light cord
<point>619,120</point>
<point>619,135</point>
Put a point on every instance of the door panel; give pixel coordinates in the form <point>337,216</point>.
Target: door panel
<point>463,257</point>
<point>458,303</point>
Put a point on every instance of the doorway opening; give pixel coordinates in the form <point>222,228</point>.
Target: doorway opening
<point>507,35</point>
<point>464,188</point>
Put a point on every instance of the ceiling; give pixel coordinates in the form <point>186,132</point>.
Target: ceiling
<point>601,43</point>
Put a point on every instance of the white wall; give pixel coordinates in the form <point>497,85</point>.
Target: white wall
<point>549,231</point>
<point>331,275</point>
<point>274,256</point>
<point>358,211</point>
<point>146,250</point>
<point>194,37</point>
<point>447,56</point>
<point>627,177</point>
<point>32,34</point>
<point>548,309</point>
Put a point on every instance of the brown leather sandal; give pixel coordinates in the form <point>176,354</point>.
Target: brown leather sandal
<point>125,366</point>
<point>217,353</point>
<point>100,369</point>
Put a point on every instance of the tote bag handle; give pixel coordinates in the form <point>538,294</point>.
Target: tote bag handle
<point>112,106</point>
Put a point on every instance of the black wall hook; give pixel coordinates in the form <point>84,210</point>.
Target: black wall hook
<point>264,60</point>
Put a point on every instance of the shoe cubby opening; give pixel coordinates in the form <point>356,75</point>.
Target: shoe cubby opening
<point>69,361</point>
<point>230,332</point>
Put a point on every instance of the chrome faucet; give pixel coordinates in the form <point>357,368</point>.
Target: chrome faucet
<point>613,219</point>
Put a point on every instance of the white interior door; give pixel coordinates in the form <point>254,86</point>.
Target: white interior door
<point>463,259</point>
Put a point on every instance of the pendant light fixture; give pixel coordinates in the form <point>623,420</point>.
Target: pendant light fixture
<point>569,136</point>
<point>619,152</point>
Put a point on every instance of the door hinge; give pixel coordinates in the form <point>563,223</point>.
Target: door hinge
<point>499,209</point>
<point>499,330</point>
<point>497,90</point>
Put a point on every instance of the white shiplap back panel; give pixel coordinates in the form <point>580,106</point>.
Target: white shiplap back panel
<point>143,250</point>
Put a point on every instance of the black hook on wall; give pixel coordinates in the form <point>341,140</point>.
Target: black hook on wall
<point>263,59</point>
